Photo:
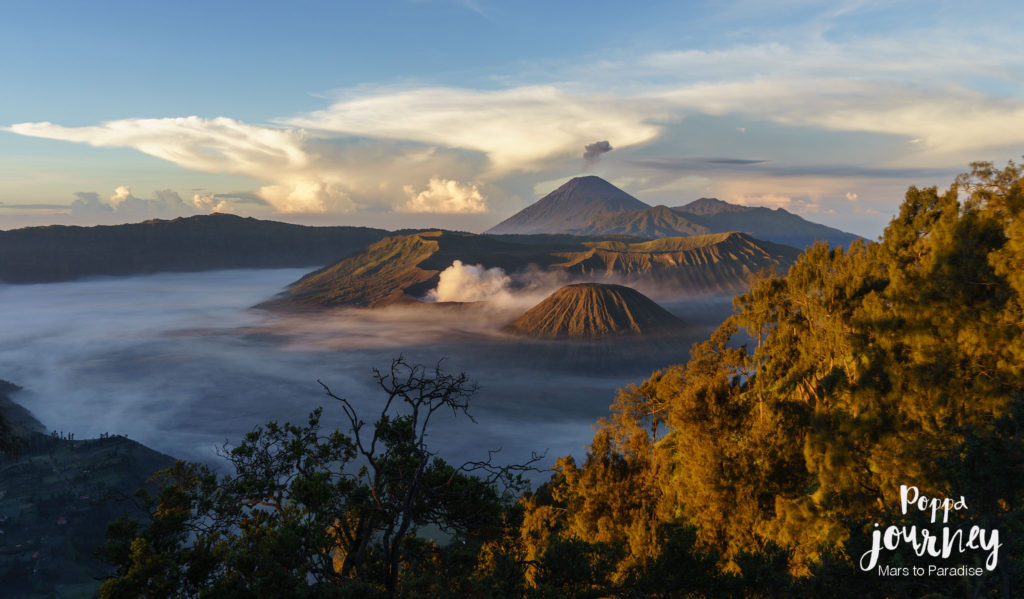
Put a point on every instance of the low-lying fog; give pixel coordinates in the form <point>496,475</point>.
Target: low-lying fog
<point>180,363</point>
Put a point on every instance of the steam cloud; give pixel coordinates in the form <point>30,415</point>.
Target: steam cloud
<point>471,283</point>
<point>592,152</point>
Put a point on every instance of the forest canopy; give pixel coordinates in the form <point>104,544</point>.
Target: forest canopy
<point>794,426</point>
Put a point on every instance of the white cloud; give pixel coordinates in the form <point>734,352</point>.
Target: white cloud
<point>770,200</point>
<point>446,196</point>
<point>123,205</point>
<point>219,145</point>
<point>210,203</point>
<point>470,283</point>
<point>88,204</point>
<point>300,174</point>
<point>121,194</point>
<point>521,128</point>
<point>410,150</point>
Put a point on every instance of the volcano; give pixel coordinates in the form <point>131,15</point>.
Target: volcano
<point>593,310</point>
<point>571,206</point>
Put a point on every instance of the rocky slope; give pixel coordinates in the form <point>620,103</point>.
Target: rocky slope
<point>593,310</point>
<point>717,263</point>
<point>651,223</point>
<point>571,206</point>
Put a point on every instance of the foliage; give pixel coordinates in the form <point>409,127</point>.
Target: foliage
<point>309,514</point>
<point>790,430</point>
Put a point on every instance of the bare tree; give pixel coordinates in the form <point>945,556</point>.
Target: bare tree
<point>408,485</point>
<point>309,514</point>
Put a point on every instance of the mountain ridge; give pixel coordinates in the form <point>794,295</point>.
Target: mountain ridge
<point>778,225</point>
<point>582,206</point>
<point>402,268</point>
<point>188,244</point>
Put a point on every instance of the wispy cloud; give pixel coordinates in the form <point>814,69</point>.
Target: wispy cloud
<point>769,168</point>
<point>938,101</point>
<point>518,129</point>
<point>35,206</point>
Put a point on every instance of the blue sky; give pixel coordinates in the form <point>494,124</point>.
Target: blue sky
<point>457,114</point>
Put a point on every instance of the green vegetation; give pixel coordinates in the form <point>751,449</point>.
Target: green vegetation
<point>790,431</point>
<point>308,514</point>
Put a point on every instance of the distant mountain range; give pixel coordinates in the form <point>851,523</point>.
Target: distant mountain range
<point>583,211</point>
<point>402,268</point>
<point>592,206</point>
<point>207,242</point>
<point>778,225</point>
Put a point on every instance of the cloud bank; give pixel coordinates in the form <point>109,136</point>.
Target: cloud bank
<point>929,103</point>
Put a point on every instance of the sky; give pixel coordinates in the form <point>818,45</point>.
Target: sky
<point>422,113</point>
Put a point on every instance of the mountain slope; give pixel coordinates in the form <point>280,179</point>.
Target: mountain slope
<point>589,310</point>
<point>398,269</point>
<point>715,263</point>
<point>571,206</point>
<point>206,242</point>
<point>778,226</point>
<point>651,223</point>
<point>402,268</point>
<point>56,498</point>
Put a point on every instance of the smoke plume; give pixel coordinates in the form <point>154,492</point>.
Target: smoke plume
<point>470,283</point>
<point>592,152</point>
